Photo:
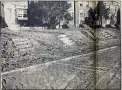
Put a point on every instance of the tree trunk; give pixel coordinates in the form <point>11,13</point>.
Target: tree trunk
<point>101,21</point>
<point>59,23</point>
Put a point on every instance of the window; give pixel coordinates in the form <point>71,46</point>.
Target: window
<point>25,10</point>
<point>86,14</point>
<point>81,4</point>
<point>20,15</point>
<point>24,15</point>
<point>81,15</point>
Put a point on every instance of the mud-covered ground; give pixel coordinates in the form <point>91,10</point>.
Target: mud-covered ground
<point>79,56</point>
<point>40,47</point>
<point>46,47</point>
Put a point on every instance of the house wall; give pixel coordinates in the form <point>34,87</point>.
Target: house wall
<point>114,6</point>
<point>11,13</point>
<point>9,10</point>
<point>82,8</point>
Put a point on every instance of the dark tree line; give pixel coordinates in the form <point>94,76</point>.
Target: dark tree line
<point>48,13</point>
<point>100,12</point>
<point>118,19</point>
<point>2,22</point>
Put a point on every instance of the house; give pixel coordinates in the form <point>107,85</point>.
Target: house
<point>14,12</point>
<point>2,20</point>
<point>79,11</point>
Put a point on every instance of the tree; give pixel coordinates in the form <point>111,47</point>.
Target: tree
<point>107,12</point>
<point>34,14</point>
<point>118,19</point>
<point>118,16</point>
<point>92,18</point>
<point>49,12</point>
<point>3,23</point>
<point>101,11</point>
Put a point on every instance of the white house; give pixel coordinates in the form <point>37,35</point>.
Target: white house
<point>14,11</point>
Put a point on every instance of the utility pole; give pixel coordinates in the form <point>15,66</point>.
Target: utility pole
<point>74,13</point>
<point>28,13</point>
<point>0,15</point>
<point>60,14</point>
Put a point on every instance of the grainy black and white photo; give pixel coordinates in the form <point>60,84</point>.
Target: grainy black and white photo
<point>60,45</point>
